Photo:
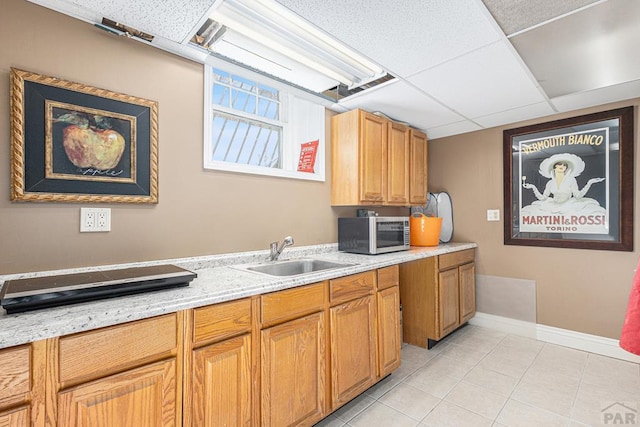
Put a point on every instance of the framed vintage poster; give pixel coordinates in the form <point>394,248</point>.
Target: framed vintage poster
<point>76,143</point>
<point>569,183</point>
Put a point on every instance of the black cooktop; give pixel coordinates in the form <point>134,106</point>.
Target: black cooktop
<point>50,291</point>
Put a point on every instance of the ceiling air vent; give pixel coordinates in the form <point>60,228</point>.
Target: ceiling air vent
<point>123,30</point>
<point>342,91</point>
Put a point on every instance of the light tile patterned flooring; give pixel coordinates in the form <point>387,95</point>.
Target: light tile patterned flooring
<point>481,377</point>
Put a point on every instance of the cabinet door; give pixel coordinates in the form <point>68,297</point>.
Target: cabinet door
<point>398,164</point>
<point>353,349</point>
<point>22,385</point>
<point>293,372</point>
<point>418,168</point>
<point>373,158</point>
<point>15,418</point>
<point>467,279</point>
<point>15,375</point>
<point>143,397</point>
<point>388,330</point>
<point>222,383</point>
<point>449,298</point>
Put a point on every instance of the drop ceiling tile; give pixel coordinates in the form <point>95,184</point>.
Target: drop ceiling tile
<point>171,19</point>
<point>403,102</point>
<point>486,81</point>
<point>515,115</point>
<point>517,15</point>
<point>595,97</point>
<point>452,129</point>
<point>404,36</point>
<point>587,50</point>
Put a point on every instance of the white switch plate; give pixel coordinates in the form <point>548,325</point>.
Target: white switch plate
<point>95,219</point>
<point>493,214</point>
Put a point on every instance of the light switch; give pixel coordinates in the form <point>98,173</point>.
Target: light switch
<point>493,214</point>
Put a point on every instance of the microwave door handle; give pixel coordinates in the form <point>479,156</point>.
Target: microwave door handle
<point>373,235</point>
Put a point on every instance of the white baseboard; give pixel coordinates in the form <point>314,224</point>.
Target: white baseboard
<point>505,324</point>
<point>564,337</point>
<point>591,343</point>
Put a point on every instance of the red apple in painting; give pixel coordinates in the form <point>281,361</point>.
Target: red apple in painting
<point>93,148</point>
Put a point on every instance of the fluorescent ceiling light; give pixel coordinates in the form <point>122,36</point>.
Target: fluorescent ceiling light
<point>276,27</point>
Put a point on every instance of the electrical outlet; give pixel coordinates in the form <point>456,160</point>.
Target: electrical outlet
<point>95,219</point>
<point>103,219</point>
<point>493,214</point>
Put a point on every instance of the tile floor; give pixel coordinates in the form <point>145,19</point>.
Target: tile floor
<point>481,377</point>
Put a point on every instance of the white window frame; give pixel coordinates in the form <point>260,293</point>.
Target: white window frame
<point>302,121</point>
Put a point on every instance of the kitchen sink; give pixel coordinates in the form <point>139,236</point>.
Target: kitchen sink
<point>296,266</point>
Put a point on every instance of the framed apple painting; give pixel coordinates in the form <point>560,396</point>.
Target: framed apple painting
<point>75,143</point>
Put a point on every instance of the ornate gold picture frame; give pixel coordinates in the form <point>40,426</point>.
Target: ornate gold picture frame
<point>72,142</point>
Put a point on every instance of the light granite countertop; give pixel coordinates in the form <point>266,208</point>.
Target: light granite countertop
<point>219,279</point>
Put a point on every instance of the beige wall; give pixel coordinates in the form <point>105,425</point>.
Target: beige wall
<point>577,289</point>
<point>200,212</point>
<point>204,212</point>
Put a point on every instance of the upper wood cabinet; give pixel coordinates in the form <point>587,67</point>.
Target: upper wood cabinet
<point>417,167</point>
<point>398,166</point>
<point>376,161</point>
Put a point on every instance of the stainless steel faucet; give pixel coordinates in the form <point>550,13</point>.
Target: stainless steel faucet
<point>276,249</point>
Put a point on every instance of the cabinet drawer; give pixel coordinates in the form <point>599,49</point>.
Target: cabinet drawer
<point>15,371</point>
<point>388,277</point>
<point>350,287</point>
<point>455,258</point>
<point>281,306</point>
<point>221,321</point>
<point>98,353</point>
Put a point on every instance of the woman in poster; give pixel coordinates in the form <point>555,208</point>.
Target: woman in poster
<point>561,194</point>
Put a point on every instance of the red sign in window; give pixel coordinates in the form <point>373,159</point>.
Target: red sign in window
<point>308,152</point>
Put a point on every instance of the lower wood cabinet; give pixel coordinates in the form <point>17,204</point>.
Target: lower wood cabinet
<point>456,278</point>
<point>293,356</point>
<point>144,397</point>
<point>280,359</point>
<point>467,282</point>
<point>388,320</point>
<point>122,375</point>
<point>221,383</point>
<point>437,295</point>
<point>353,349</point>
<point>449,302</point>
<point>16,417</point>
<point>353,336</point>
<point>218,372</point>
<point>22,385</point>
<point>293,372</point>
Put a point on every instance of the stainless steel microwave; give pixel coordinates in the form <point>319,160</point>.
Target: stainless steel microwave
<point>373,235</point>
